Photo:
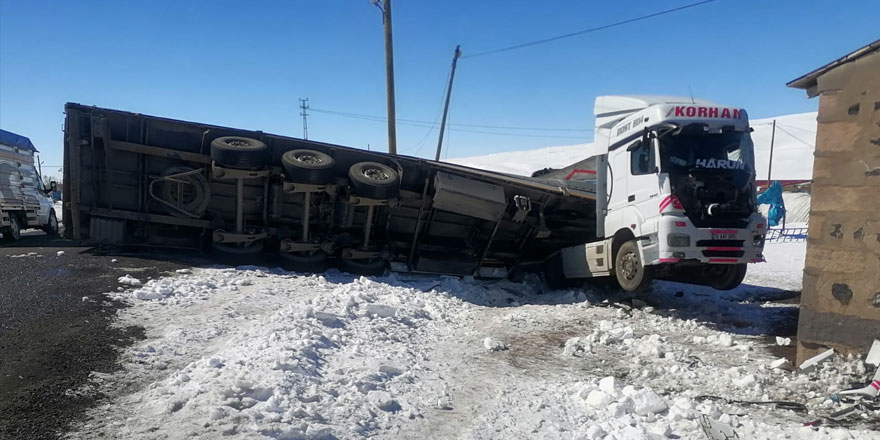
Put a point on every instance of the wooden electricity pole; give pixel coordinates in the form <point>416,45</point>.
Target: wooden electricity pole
<point>455,58</point>
<point>389,73</point>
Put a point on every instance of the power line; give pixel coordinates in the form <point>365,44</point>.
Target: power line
<point>587,31</point>
<point>796,138</point>
<point>413,121</point>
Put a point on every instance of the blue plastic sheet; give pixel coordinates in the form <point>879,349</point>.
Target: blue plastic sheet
<point>773,197</point>
<point>18,141</point>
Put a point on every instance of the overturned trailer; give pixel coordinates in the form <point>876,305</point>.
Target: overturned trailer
<point>133,179</point>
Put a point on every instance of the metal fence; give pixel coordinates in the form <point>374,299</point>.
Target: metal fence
<point>786,235</point>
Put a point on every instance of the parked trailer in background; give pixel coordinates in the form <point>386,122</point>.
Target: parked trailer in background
<point>24,201</point>
<point>633,211</point>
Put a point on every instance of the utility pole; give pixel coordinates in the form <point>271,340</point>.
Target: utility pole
<point>456,55</point>
<point>770,165</point>
<point>304,107</point>
<point>385,7</point>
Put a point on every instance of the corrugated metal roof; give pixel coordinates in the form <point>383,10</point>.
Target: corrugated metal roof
<point>809,80</point>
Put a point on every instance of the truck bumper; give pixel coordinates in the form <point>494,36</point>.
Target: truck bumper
<point>710,245</point>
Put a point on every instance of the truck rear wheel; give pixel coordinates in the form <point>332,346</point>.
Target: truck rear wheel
<point>629,269</point>
<point>374,180</point>
<point>308,166</point>
<point>239,152</point>
<point>13,231</point>
<point>727,276</point>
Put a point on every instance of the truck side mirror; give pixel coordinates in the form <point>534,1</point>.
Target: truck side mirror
<point>53,186</point>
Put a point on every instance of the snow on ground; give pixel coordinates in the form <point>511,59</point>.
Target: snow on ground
<point>254,352</point>
<point>792,151</point>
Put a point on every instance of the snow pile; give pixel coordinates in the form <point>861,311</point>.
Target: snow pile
<point>792,151</point>
<point>263,353</point>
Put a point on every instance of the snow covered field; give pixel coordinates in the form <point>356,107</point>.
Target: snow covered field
<point>254,352</point>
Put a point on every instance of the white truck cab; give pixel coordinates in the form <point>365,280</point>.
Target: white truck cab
<point>24,200</point>
<point>675,194</point>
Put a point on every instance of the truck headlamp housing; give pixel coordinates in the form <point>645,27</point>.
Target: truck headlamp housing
<point>678,240</point>
<point>758,241</point>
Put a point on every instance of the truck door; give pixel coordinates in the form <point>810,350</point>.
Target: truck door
<point>643,185</point>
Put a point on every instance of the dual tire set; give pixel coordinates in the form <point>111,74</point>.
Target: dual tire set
<point>371,180</point>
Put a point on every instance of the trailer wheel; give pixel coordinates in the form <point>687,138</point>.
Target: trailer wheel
<point>308,166</point>
<point>13,231</point>
<point>239,152</point>
<point>727,276</point>
<point>374,180</point>
<point>363,267</point>
<point>51,228</point>
<point>629,269</point>
<point>303,262</point>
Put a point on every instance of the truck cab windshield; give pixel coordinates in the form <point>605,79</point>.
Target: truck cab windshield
<point>690,149</point>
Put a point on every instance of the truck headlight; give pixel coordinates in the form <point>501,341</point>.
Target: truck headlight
<point>758,241</point>
<point>678,240</point>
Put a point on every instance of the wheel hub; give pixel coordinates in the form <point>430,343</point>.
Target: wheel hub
<point>630,265</point>
<point>376,174</point>
<point>308,158</point>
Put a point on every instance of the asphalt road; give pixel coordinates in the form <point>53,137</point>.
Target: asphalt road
<point>51,337</point>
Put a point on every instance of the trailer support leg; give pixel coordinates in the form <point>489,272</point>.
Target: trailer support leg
<point>239,205</point>
<point>368,226</point>
<point>307,207</point>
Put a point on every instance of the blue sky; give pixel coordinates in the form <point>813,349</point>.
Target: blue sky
<point>245,64</point>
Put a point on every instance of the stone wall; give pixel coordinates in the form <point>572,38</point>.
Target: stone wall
<point>840,304</point>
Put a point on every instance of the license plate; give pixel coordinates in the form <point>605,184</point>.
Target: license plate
<point>723,235</point>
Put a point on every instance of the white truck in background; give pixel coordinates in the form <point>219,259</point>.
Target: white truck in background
<point>675,185</point>
<point>24,200</point>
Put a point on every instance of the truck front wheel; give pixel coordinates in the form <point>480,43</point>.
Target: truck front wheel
<point>727,276</point>
<point>51,228</point>
<point>629,269</point>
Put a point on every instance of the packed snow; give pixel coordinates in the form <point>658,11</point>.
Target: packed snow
<point>793,146</point>
<point>255,352</point>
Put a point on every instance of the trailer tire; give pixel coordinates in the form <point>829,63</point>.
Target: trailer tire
<point>629,269</point>
<point>308,166</point>
<point>363,267</point>
<point>239,152</point>
<point>13,231</point>
<point>299,262</point>
<point>51,228</point>
<point>374,180</point>
<point>730,277</point>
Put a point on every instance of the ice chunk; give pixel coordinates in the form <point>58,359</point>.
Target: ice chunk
<point>610,386</point>
<point>646,401</point>
<point>725,340</point>
<point>492,344</point>
<point>381,310</point>
<point>383,401</point>
<point>59,253</point>
<point>129,280</point>
<point>575,346</point>
<point>785,342</point>
<point>598,399</point>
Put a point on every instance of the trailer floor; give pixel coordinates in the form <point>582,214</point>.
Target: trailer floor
<point>51,336</point>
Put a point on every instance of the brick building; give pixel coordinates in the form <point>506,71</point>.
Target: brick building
<point>840,303</point>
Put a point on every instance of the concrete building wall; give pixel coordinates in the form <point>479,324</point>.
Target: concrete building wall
<point>840,304</point>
